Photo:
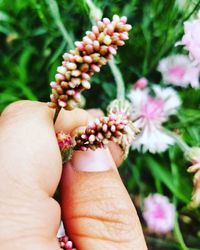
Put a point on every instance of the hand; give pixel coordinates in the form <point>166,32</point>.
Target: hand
<point>97,210</point>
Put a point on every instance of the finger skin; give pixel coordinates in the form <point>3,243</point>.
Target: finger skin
<point>68,121</point>
<point>116,153</point>
<point>30,170</point>
<point>97,211</point>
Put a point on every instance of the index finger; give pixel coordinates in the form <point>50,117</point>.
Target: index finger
<point>68,121</point>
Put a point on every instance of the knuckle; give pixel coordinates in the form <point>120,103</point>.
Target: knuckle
<point>112,218</point>
<point>22,107</point>
<point>15,107</point>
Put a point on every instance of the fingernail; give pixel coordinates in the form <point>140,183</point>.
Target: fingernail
<point>93,161</point>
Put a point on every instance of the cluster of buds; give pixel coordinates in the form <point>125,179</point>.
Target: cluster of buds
<point>99,132</point>
<point>115,127</point>
<point>96,48</point>
<point>65,143</point>
<point>65,243</point>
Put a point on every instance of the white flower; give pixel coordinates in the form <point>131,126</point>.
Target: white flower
<point>178,70</point>
<point>190,39</point>
<point>149,112</point>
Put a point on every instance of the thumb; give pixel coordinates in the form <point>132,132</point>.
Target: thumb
<point>97,210</point>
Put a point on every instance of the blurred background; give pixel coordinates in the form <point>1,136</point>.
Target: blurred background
<point>33,36</point>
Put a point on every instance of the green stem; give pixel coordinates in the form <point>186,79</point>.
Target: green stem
<point>175,180</point>
<point>196,7</point>
<point>178,234</point>
<point>95,12</point>
<point>56,114</point>
<point>53,6</point>
<point>118,79</point>
<point>183,146</point>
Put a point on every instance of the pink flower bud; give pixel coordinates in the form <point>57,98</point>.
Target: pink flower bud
<point>116,18</point>
<point>70,92</point>
<point>86,84</point>
<point>91,35</point>
<point>71,66</point>
<point>85,76</point>
<point>100,25</point>
<point>80,46</point>
<point>87,59</point>
<point>112,50</point>
<point>62,103</point>
<point>124,36</point>
<point>59,77</point>
<point>123,19</point>
<point>106,20</point>
<point>91,138</point>
<point>53,85</point>
<point>78,59</point>
<point>76,73</point>
<point>95,30</point>
<point>110,29</point>
<point>141,83</point>
<point>61,70</point>
<point>87,40</point>
<point>128,27</point>
<point>96,45</point>
<point>95,68</point>
<point>107,40</point>
<point>89,48</point>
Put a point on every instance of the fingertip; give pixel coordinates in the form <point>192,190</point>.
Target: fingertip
<point>67,121</point>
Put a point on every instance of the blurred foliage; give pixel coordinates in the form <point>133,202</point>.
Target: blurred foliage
<point>33,36</point>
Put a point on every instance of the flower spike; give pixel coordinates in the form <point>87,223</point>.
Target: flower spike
<point>115,127</point>
<point>90,54</point>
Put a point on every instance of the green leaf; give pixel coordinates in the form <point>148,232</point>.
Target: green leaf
<point>165,176</point>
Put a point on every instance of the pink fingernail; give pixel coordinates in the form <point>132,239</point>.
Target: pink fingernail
<point>93,161</point>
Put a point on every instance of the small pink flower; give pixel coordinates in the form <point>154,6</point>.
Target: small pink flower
<point>159,214</point>
<point>191,40</point>
<point>149,112</point>
<point>178,70</point>
<point>141,83</point>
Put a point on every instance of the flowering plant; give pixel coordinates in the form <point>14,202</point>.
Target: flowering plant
<point>149,92</point>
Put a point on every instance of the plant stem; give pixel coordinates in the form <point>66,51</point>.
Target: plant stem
<point>53,6</point>
<point>183,146</point>
<point>118,79</point>
<point>56,114</point>
<point>177,230</point>
<point>196,7</point>
<point>178,234</point>
<point>95,12</point>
